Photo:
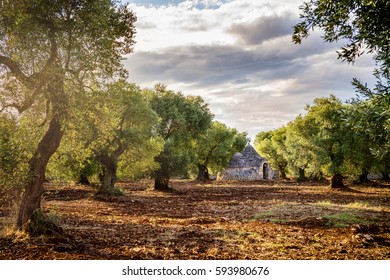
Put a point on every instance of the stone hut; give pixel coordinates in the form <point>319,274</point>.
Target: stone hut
<point>248,166</point>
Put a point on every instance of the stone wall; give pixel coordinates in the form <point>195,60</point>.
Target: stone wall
<point>241,174</point>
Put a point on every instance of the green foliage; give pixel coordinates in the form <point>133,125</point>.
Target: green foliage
<point>73,159</point>
<point>121,118</point>
<point>330,138</point>
<point>10,157</point>
<point>17,140</point>
<point>327,135</point>
<point>363,24</point>
<point>117,129</point>
<point>182,120</point>
<point>320,142</point>
<point>138,161</point>
<point>50,52</point>
<point>300,153</point>
<point>370,122</point>
<point>89,35</point>
<point>182,117</point>
<point>271,144</point>
<point>217,145</point>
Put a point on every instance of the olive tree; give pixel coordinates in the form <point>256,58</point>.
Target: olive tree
<point>182,120</point>
<point>122,119</point>
<point>216,147</point>
<point>50,50</point>
<point>271,144</point>
<point>364,27</point>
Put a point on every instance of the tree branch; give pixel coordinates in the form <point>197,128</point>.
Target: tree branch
<point>16,71</point>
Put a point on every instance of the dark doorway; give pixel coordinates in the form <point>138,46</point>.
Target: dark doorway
<point>265,171</point>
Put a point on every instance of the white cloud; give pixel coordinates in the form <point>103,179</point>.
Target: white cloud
<point>238,55</point>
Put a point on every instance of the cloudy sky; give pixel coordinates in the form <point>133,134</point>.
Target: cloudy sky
<point>238,55</point>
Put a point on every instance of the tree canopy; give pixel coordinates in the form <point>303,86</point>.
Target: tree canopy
<point>271,144</point>
<point>50,50</point>
<point>182,120</point>
<point>364,24</point>
<point>216,147</point>
<point>118,119</point>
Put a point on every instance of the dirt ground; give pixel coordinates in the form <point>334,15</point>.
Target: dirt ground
<point>235,220</point>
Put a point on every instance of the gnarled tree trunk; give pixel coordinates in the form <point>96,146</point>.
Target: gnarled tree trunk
<point>110,167</point>
<point>363,178</point>
<point>162,176</point>
<point>31,200</point>
<point>336,181</point>
<point>83,180</point>
<point>282,172</point>
<point>386,170</point>
<point>302,176</point>
<point>203,173</point>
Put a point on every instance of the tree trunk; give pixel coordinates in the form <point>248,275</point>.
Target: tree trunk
<point>282,172</point>
<point>110,167</point>
<point>386,172</point>
<point>203,173</point>
<point>51,83</point>
<point>363,178</point>
<point>302,176</point>
<point>161,184</point>
<point>162,176</point>
<point>108,182</point>
<point>336,181</point>
<point>83,180</point>
<point>31,200</point>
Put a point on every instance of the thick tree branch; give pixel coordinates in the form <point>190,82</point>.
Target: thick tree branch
<point>27,103</point>
<point>16,71</point>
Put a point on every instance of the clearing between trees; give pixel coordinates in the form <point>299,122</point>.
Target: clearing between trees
<point>220,220</point>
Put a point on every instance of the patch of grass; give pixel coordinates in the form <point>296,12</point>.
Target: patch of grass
<point>263,215</point>
<point>325,203</point>
<point>344,219</point>
<point>358,205</point>
<point>285,212</point>
<point>352,206</point>
<point>338,215</point>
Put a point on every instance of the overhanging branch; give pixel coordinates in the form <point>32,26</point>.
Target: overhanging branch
<point>16,71</point>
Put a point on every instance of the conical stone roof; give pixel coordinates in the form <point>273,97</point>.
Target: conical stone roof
<point>248,158</point>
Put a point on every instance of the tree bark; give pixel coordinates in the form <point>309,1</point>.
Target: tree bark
<point>203,173</point>
<point>386,172</point>
<point>336,181</point>
<point>282,172</point>
<point>363,178</point>
<point>162,176</point>
<point>83,180</point>
<point>109,177</point>
<point>302,176</point>
<point>31,200</point>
